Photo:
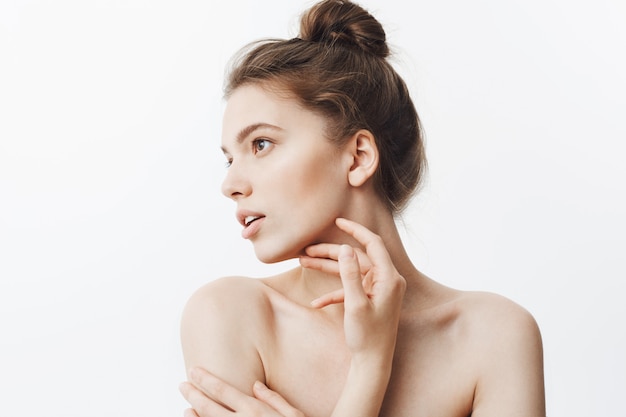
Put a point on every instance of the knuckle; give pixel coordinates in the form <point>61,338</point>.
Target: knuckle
<point>376,240</point>
<point>214,387</point>
<point>250,409</point>
<point>202,410</point>
<point>395,283</point>
<point>358,307</point>
<point>399,284</point>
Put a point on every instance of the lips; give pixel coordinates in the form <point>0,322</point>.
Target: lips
<point>246,217</point>
<point>250,221</point>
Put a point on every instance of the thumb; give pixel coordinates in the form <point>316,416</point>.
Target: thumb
<point>350,273</point>
<point>274,400</point>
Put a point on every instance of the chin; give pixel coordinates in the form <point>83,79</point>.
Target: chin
<point>275,255</point>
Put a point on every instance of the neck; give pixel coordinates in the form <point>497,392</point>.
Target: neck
<point>382,223</point>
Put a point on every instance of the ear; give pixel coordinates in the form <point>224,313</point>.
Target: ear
<point>364,154</point>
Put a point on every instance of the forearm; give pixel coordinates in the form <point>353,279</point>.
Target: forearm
<point>372,301</point>
<point>365,387</point>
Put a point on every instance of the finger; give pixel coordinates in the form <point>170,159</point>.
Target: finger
<point>324,258</point>
<point>331,251</point>
<point>203,406</point>
<point>334,297</point>
<point>327,266</point>
<point>274,400</point>
<point>330,266</point>
<point>216,389</point>
<point>323,250</point>
<point>373,244</point>
<point>351,277</point>
<point>190,412</point>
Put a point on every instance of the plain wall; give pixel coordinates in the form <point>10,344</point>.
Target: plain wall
<point>111,213</point>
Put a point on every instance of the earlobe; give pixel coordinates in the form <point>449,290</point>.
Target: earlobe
<point>365,157</point>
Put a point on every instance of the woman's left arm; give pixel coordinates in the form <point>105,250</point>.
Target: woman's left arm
<point>203,386</point>
<point>510,356</point>
<point>372,296</point>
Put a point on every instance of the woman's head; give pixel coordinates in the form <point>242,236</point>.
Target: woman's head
<point>337,68</point>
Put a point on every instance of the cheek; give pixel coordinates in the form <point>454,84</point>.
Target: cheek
<point>318,178</point>
<point>322,188</point>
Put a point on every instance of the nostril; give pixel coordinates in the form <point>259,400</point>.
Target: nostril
<point>234,189</point>
<point>236,183</point>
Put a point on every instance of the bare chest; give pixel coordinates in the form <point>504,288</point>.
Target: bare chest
<point>306,361</point>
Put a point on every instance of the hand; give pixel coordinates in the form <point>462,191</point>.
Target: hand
<point>372,290</point>
<point>209,396</point>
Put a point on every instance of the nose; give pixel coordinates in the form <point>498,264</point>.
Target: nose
<point>236,184</point>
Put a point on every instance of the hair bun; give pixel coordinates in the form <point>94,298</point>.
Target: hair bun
<point>346,23</point>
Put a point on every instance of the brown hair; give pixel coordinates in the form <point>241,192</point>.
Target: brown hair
<point>337,67</point>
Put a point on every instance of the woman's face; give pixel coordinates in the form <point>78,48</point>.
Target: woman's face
<point>288,180</point>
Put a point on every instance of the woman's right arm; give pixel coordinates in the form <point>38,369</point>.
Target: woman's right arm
<point>218,336</point>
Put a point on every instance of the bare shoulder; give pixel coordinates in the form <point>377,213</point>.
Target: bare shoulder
<point>505,343</point>
<point>224,297</point>
<point>221,327</point>
<point>496,320</point>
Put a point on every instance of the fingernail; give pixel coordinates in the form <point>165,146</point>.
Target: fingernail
<point>260,386</point>
<point>345,251</point>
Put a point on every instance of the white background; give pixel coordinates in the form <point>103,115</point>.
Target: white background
<point>111,215</point>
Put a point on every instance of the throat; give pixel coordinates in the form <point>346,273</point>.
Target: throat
<point>314,284</point>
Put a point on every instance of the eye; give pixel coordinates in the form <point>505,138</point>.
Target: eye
<point>229,160</point>
<point>259,145</point>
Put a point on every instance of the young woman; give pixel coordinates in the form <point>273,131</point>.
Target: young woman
<point>324,149</point>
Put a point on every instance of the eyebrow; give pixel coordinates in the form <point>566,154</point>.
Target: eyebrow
<point>248,130</point>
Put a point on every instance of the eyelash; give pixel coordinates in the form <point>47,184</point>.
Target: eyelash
<point>255,149</point>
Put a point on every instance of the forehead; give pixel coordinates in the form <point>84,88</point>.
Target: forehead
<point>252,104</point>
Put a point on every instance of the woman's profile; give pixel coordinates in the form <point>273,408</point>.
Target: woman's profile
<point>324,150</point>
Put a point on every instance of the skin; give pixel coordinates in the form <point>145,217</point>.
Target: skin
<point>356,329</point>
